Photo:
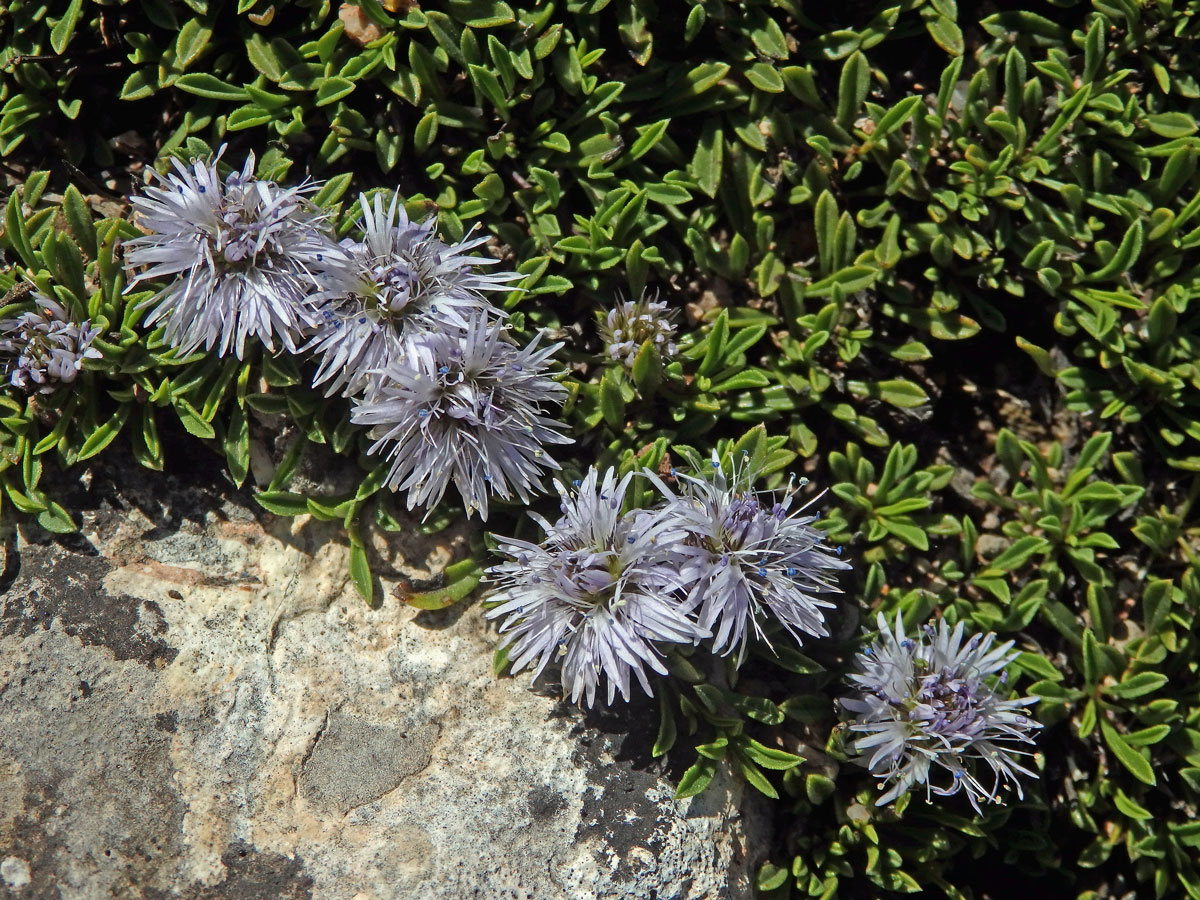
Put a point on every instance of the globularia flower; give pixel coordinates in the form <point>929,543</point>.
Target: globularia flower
<point>466,408</point>
<point>746,555</point>
<point>596,594</point>
<point>631,323</point>
<point>240,255</point>
<point>924,703</point>
<point>401,282</point>
<point>43,348</point>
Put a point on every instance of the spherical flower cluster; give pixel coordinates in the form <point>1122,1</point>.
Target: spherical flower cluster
<point>923,706</point>
<point>402,282</point>
<point>604,585</point>
<point>629,324</point>
<point>43,348</point>
<point>596,594</point>
<point>465,407</point>
<point>241,253</point>
<point>746,554</point>
<point>398,321</point>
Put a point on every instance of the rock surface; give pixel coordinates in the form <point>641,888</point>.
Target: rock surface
<point>194,703</point>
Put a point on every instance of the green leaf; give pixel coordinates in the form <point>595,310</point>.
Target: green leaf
<point>463,577</point>
<point>895,117</point>
<point>79,218</point>
<point>1123,259</point>
<point>793,660</point>
<point>203,84</point>
<point>768,757</point>
<point>755,777</point>
<point>696,778</point>
<point>1171,124</point>
<point>104,434</point>
<point>1017,554</point>
<point>1128,807</point>
<point>666,726</point>
<point>192,420</point>
<point>714,343</point>
<point>612,405</point>
<point>14,230</point>
<point>283,503</point>
<point>1129,757</point>
<point>237,446</point>
<point>60,34</point>
<point>192,39</point>
<point>56,519</point>
<point>744,380</point>
<point>333,89</point>
<point>1137,685</point>
<point>360,568</point>
<point>946,34</point>
<point>852,87</point>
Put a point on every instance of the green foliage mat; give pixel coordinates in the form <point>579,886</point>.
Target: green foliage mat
<point>940,259</point>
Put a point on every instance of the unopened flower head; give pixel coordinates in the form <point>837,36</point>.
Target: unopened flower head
<point>925,714</point>
<point>240,255</point>
<point>595,595</point>
<point>43,348</point>
<point>629,324</point>
<point>401,283</point>
<point>747,556</point>
<point>466,408</point>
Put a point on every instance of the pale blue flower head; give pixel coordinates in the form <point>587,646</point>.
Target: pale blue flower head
<point>596,595</point>
<point>239,254</point>
<point>926,716</point>
<point>748,558</point>
<point>402,282</point>
<point>43,348</point>
<point>465,407</point>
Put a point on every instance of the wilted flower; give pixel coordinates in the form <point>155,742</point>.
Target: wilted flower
<point>746,555</point>
<point>240,253</point>
<point>466,407</point>
<point>43,348</point>
<point>596,594</point>
<point>631,323</point>
<point>401,282</point>
<point>924,703</point>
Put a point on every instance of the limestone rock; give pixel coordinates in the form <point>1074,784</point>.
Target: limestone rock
<point>194,703</point>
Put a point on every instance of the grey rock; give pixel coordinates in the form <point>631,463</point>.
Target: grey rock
<point>195,703</point>
<point>356,762</point>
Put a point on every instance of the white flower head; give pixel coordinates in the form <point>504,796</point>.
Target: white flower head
<point>747,557</point>
<point>596,595</point>
<point>43,348</point>
<point>240,254</point>
<point>402,282</point>
<point>923,707</point>
<point>467,408</point>
<point>630,323</point>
